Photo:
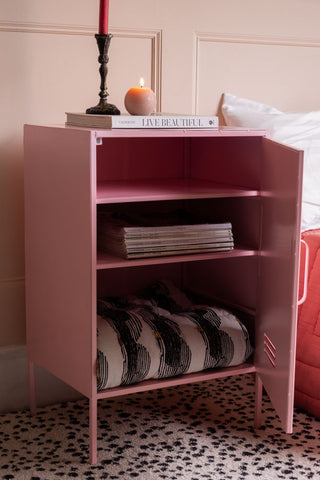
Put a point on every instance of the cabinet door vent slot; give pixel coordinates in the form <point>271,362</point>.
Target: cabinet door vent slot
<point>269,350</point>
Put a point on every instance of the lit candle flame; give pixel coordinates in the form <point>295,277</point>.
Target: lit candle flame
<point>141,82</point>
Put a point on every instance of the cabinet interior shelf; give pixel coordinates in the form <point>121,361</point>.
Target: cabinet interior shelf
<point>166,189</point>
<point>107,261</point>
<point>174,381</point>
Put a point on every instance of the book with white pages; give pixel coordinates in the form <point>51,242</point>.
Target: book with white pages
<point>142,121</point>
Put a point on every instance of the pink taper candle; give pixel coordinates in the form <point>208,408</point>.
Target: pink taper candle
<point>103,17</point>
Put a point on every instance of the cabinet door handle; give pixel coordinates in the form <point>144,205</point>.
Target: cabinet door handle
<point>306,271</point>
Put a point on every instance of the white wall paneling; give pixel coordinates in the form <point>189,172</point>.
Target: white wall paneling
<point>255,66</point>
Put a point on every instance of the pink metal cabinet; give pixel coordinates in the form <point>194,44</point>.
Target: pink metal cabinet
<point>237,174</point>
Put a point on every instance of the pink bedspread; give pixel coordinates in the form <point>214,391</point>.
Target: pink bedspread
<point>307,388</point>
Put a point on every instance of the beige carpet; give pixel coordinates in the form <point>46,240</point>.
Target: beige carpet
<point>194,432</point>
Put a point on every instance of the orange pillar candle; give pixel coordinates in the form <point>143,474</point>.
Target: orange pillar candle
<point>103,17</point>
<point>140,100</point>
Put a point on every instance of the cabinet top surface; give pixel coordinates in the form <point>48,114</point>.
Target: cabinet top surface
<point>158,132</point>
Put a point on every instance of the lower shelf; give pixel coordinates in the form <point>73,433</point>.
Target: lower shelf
<point>174,381</point>
<point>106,260</point>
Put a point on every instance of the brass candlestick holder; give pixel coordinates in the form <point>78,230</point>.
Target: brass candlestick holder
<point>103,107</point>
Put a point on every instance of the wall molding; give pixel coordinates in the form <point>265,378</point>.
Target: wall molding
<point>271,40</point>
<point>280,40</point>
<point>48,28</point>
<point>154,36</point>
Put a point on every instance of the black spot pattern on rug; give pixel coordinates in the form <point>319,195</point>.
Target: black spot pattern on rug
<point>200,431</point>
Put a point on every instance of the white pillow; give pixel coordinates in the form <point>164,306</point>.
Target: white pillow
<point>298,130</point>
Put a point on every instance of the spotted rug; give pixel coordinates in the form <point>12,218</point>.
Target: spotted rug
<point>200,431</point>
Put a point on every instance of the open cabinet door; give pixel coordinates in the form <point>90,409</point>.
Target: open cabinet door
<point>275,344</point>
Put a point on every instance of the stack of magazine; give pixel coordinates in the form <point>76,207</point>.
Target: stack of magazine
<point>160,235</point>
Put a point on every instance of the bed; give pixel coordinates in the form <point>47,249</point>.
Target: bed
<point>300,130</point>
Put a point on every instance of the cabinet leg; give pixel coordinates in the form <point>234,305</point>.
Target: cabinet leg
<point>32,388</point>
<point>93,432</point>
<point>258,401</point>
